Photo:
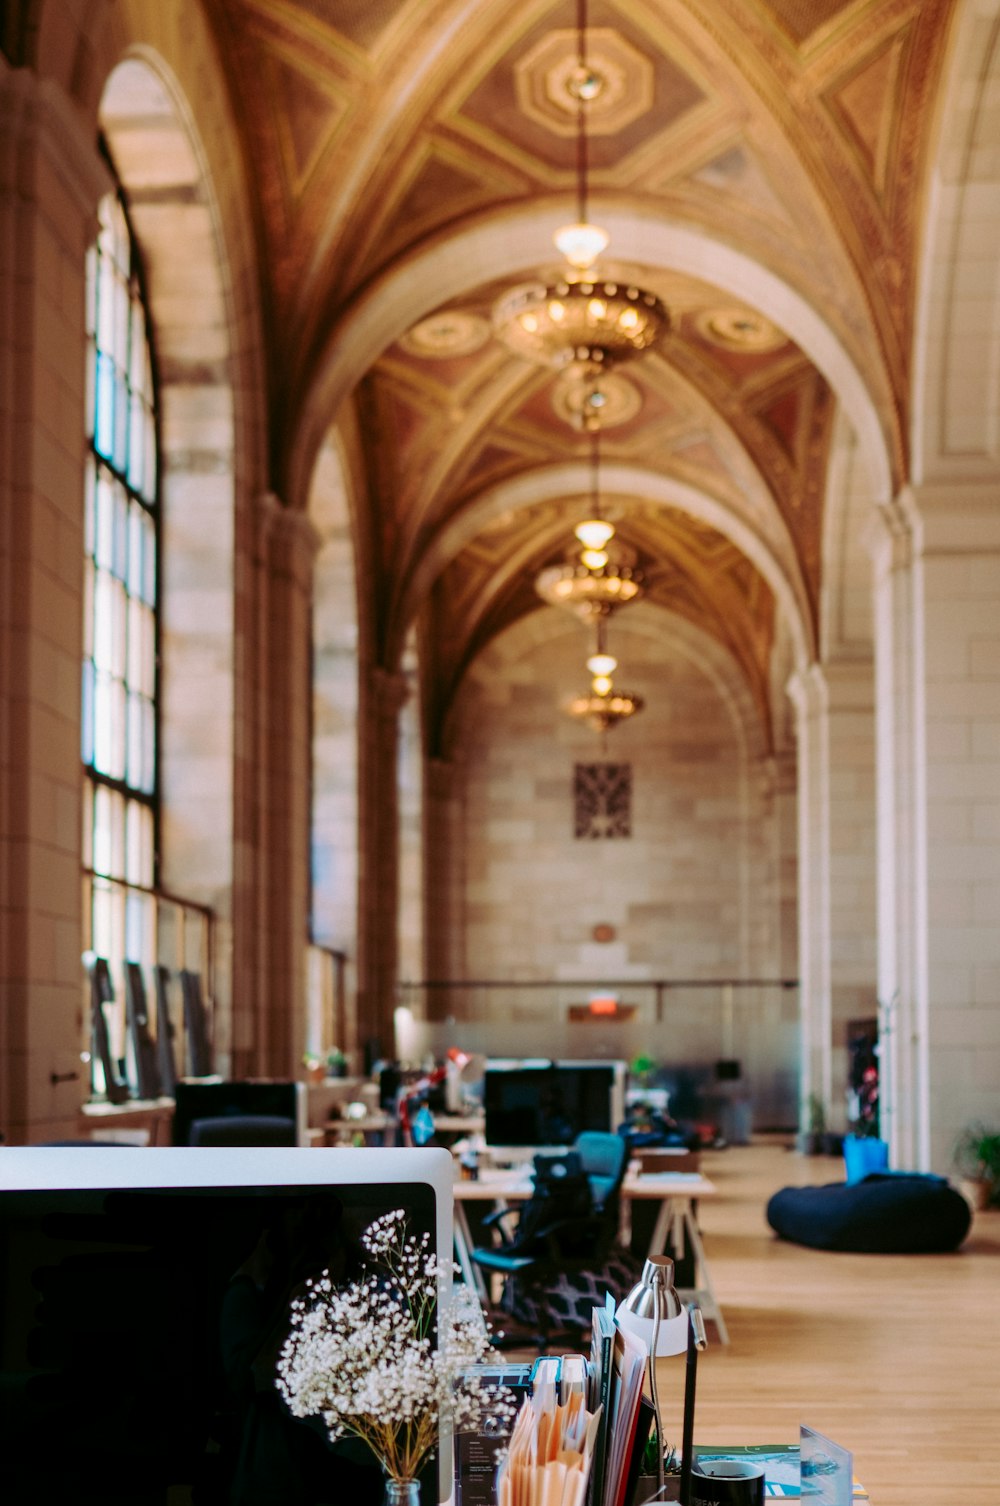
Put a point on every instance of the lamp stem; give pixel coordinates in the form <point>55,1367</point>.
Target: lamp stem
<point>581,115</point>
<point>696,1341</point>
<point>654,1395</point>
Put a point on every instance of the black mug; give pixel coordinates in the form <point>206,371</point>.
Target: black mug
<point>727,1482</point>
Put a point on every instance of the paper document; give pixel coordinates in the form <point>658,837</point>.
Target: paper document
<point>549,1457</point>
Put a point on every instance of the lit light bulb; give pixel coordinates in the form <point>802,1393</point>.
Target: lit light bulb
<point>529,323</point>
<point>597,308</point>
<point>628,319</point>
<point>581,244</point>
<point>594,559</point>
<point>585,83</point>
<point>602,665</point>
<point>594,533</point>
<point>557,311</point>
<point>601,684</point>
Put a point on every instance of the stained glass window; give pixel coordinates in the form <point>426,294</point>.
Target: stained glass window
<point>120,630</point>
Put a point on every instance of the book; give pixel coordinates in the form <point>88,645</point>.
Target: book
<point>476,1453</point>
<point>645,1423</point>
<point>628,1366</point>
<point>601,1341</point>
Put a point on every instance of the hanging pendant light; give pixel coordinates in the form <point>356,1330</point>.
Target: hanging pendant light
<point>581,318</point>
<point>603,577</point>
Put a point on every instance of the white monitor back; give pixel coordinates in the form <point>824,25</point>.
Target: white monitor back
<point>51,1196</point>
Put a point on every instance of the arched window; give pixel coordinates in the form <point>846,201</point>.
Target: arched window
<point>121,630</point>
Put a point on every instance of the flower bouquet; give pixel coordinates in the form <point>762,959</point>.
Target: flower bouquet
<point>364,1358</point>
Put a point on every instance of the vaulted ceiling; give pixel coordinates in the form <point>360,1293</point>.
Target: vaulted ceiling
<point>409,158</point>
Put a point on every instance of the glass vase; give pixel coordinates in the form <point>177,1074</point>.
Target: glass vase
<point>401,1492</point>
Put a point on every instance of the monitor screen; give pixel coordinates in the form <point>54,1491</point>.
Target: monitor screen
<point>195,1101</point>
<point>145,1297</point>
<point>550,1103</point>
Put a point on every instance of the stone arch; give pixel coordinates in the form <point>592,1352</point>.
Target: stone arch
<point>956,405</point>
<point>773,557</point>
<point>158,159</point>
<point>506,244</point>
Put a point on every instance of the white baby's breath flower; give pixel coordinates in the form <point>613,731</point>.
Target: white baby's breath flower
<point>364,1359</point>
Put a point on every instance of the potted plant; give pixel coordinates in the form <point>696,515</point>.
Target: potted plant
<point>336,1062</point>
<point>977,1157</point>
<point>315,1066</point>
<point>810,1139</point>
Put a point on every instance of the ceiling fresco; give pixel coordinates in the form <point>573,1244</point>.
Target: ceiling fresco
<point>792,132</point>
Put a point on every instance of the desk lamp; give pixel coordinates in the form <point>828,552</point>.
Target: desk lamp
<point>655,1314</point>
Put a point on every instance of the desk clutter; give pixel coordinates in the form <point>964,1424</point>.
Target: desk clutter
<point>585,1434</point>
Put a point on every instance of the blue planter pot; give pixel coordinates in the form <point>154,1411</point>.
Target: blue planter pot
<point>864,1154</point>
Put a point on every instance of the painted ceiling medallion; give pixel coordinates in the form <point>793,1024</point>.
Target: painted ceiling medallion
<point>740,329</point>
<point>548,93</point>
<point>451,332</point>
<point>616,400</point>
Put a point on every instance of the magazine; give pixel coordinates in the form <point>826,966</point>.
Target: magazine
<point>781,1463</point>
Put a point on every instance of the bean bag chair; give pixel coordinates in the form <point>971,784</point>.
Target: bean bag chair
<point>887,1213</point>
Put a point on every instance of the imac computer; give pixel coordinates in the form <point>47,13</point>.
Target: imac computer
<point>536,1104</point>
<point>266,1102</point>
<point>145,1297</point>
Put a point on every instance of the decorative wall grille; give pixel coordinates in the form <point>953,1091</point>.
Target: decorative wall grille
<point>602,800</point>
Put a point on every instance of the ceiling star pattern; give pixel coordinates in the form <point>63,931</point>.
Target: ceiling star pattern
<point>792,132</point>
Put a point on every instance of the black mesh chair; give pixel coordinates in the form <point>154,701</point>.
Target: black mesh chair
<point>243,1129</point>
<point>566,1229</point>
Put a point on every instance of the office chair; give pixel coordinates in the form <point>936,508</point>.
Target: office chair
<point>557,1251</point>
<point>604,1158</point>
<point>243,1129</point>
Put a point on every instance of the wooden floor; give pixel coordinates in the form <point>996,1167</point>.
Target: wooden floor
<point>894,1357</point>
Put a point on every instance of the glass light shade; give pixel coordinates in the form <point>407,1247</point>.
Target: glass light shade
<point>602,664</point>
<point>589,593</point>
<point>581,244</point>
<point>594,533</point>
<point>590,324</point>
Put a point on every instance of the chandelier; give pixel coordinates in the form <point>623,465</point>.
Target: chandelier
<point>581,317</point>
<point>604,707</point>
<point>603,576</point>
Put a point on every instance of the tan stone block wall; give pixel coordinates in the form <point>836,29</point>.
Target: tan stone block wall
<point>693,893</point>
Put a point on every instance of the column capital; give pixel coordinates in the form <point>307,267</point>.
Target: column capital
<point>889,536</point>
<point>285,538</point>
<point>806,689</point>
<point>390,692</point>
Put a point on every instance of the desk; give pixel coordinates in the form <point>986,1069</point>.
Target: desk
<point>675,1222</point>
<point>154,1116</point>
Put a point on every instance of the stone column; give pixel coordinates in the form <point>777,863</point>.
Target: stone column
<point>51,180</point>
<point>904,1106</point>
<point>444,922</point>
<point>382,698</point>
<point>286,545</point>
<point>938,644</point>
<point>835,727</point>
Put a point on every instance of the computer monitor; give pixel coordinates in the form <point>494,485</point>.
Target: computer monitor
<point>144,1300</point>
<point>195,1101</point>
<point>532,1104</point>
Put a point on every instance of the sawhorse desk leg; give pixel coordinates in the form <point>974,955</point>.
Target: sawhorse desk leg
<point>676,1222</point>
